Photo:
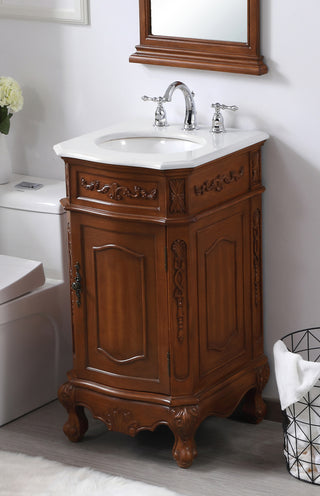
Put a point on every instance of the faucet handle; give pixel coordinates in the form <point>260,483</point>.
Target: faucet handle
<point>160,117</point>
<point>222,106</point>
<point>217,119</point>
<point>146,98</point>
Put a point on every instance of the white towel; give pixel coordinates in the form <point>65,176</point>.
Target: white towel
<point>294,375</point>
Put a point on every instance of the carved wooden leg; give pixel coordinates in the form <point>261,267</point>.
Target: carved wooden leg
<point>184,424</point>
<point>253,408</point>
<point>77,423</point>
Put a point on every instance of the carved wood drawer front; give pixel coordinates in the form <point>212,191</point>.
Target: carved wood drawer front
<point>112,190</point>
<point>219,181</point>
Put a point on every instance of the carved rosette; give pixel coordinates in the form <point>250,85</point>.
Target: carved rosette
<point>179,249</point>
<point>177,196</point>
<point>256,237</point>
<point>115,191</point>
<point>219,182</point>
<point>121,420</point>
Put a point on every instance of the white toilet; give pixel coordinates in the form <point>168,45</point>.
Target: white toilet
<point>35,322</point>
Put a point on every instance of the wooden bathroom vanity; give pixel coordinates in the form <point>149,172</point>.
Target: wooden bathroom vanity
<point>166,278</point>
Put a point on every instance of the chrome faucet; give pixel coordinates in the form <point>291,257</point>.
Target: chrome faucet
<point>190,121</point>
<point>217,119</point>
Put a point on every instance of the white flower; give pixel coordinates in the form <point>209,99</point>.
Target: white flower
<point>10,94</point>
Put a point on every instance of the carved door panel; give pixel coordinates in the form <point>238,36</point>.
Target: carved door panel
<point>125,332</point>
<point>224,293</point>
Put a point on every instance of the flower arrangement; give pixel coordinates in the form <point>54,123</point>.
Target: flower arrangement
<point>11,100</point>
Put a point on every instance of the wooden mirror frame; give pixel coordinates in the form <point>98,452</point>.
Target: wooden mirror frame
<point>212,55</point>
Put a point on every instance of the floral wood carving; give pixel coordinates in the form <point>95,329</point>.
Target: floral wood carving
<point>70,260</point>
<point>121,420</point>
<point>115,191</point>
<point>259,407</point>
<point>184,424</point>
<point>218,183</point>
<point>256,227</point>
<point>179,249</point>
<point>253,407</point>
<point>185,419</point>
<point>255,168</point>
<point>262,376</point>
<point>177,196</point>
<point>66,395</point>
<point>69,249</point>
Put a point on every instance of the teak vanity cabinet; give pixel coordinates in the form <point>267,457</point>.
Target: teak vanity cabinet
<point>166,281</point>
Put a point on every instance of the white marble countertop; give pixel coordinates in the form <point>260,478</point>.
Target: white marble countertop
<point>208,146</point>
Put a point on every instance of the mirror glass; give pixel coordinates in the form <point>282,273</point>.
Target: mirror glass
<point>223,20</point>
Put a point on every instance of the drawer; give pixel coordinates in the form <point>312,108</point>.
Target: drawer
<point>116,189</point>
<point>219,181</point>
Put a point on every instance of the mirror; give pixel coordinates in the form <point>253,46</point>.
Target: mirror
<point>204,19</point>
<point>221,35</point>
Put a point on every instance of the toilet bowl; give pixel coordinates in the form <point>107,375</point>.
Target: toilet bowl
<point>35,323</point>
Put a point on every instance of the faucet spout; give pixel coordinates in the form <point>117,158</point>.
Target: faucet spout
<point>190,119</point>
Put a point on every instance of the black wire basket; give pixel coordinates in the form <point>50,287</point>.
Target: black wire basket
<point>301,426</point>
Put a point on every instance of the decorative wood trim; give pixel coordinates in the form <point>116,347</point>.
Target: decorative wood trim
<point>117,192</point>
<point>177,196</point>
<point>121,420</point>
<point>217,183</point>
<point>69,235</point>
<point>179,249</point>
<point>255,168</point>
<point>67,179</point>
<point>76,284</point>
<point>66,395</point>
<point>185,422</point>
<point>185,419</point>
<point>256,236</point>
<point>263,374</point>
<point>255,408</point>
<point>77,423</point>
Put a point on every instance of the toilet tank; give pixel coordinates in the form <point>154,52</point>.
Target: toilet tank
<point>33,223</point>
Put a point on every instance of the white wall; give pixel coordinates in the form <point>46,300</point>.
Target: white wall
<point>77,78</point>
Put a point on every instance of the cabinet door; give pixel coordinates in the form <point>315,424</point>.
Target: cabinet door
<point>122,337</point>
<point>223,257</point>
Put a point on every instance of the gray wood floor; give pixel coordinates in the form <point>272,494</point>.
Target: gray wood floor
<point>233,458</point>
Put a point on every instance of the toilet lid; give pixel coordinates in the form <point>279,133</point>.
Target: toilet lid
<point>19,276</point>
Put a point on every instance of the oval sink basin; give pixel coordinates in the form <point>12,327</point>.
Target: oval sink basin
<point>149,144</point>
